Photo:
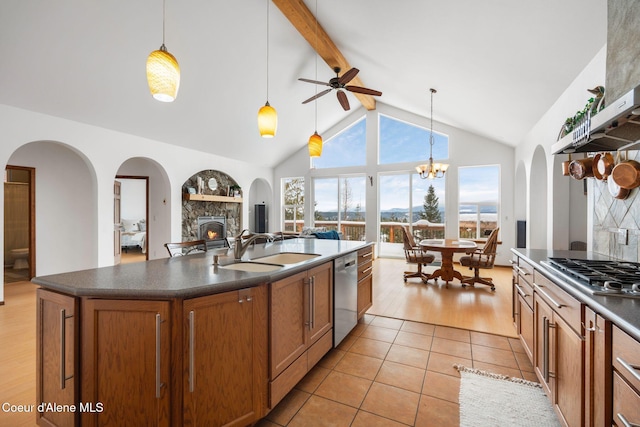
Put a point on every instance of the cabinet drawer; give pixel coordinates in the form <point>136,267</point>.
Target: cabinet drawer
<point>525,271</point>
<point>365,255</point>
<point>319,349</point>
<point>626,403</point>
<point>525,291</point>
<point>364,269</point>
<point>567,307</point>
<point>625,356</point>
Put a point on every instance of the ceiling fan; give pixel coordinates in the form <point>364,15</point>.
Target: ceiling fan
<point>339,83</point>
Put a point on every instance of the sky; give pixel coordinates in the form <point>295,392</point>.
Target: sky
<point>400,142</point>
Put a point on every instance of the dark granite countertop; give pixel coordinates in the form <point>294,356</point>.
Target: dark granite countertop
<point>624,312</point>
<point>192,275</point>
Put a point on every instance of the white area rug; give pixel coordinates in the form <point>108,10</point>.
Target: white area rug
<point>488,399</point>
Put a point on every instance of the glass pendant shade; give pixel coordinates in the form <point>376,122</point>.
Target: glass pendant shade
<point>163,75</point>
<point>315,145</point>
<point>267,121</point>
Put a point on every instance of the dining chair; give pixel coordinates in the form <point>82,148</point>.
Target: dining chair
<point>414,254</point>
<point>186,248</point>
<point>481,258</point>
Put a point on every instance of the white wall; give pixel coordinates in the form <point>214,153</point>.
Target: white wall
<point>566,213</point>
<point>78,177</point>
<point>465,149</point>
<point>133,199</point>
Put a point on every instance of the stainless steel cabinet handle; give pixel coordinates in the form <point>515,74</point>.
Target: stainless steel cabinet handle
<point>312,298</point>
<point>545,348</point>
<point>521,271</point>
<point>521,291</point>
<point>63,349</point>
<point>625,422</point>
<point>629,367</point>
<point>158,360</point>
<point>548,297</point>
<point>366,270</point>
<point>192,316</point>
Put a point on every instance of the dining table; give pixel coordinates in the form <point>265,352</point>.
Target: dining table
<point>447,247</point>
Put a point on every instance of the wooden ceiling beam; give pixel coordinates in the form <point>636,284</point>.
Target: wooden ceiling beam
<point>303,20</point>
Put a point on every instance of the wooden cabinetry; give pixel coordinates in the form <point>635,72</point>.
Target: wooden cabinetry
<point>559,351</point>
<point>57,356</point>
<point>225,358</point>
<point>126,362</point>
<point>301,327</point>
<point>365,280</point>
<point>523,303</point>
<point>625,358</point>
<point>597,369</point>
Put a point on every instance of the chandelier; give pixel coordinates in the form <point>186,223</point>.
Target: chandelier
<point>432,170</point>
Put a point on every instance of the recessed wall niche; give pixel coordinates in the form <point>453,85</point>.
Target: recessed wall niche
<point>210,183</point>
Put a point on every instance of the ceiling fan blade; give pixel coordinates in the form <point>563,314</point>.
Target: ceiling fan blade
<point>364,90</point>
<point>348,76</point>
<point>316,96</point>
<point>314,82</point>
<point>342,98</point>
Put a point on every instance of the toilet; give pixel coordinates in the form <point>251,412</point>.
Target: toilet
<point>20,257</point>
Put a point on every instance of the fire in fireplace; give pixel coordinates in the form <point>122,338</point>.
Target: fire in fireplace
<point>213,230</point>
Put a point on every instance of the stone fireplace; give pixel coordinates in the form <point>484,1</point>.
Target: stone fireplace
<point>227,211</point>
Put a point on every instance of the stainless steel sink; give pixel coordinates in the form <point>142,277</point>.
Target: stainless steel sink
<point>286,258</point>
<point>252,267</point>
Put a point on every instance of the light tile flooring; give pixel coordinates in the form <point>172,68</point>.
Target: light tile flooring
<point>392,372</point>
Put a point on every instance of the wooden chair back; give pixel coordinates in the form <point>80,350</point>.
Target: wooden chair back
<point>407,238</point>
<point>491,247</point>
<point>186,248</point>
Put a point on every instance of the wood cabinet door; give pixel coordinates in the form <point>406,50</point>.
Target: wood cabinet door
<point>543,316</point>
<point>597,370</point>
<point>525,326</point>
<point>225,371</point>
<point>321,304</point>
<point>289,321</point>
<point>365,295</point>
<point>568,375</point>
<point>57,356</point>
<point>125,362</point>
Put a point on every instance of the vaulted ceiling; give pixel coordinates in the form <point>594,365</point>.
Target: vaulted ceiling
<point>498,65</point>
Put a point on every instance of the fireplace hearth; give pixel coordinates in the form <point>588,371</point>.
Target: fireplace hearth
<point>213,230</point>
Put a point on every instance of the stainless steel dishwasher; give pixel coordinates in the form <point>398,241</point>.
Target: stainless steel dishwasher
<point>345,302</point>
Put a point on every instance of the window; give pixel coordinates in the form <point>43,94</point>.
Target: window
<point>293,204</point>
<point>348,148</point>
<point>402,142</point>
<point>479,200</point>
<point>406,199</point>
<point>339,204</point>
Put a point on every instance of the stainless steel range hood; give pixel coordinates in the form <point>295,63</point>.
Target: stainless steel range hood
<point>617,126</point>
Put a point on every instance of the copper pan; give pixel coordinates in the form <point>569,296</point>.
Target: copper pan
<point>565,166</point>
<point>603,164</point>
<point>627,174</point>
<point>581,168</point>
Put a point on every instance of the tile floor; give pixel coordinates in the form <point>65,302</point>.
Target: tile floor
<point>392,372</point>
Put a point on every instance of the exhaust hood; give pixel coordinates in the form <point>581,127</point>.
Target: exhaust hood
<point>617,126</point>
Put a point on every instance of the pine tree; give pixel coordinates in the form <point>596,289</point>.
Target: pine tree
<point>430,207</point>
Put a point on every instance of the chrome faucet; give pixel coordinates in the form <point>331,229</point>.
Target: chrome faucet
<point>240,247</point>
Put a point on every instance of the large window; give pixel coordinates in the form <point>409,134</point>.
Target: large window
<point>408,200</point>
<point>479,200</point>
<point>348,148</point>
<point>293,204</point>
<point>339,204</point>
<point>402,142</point>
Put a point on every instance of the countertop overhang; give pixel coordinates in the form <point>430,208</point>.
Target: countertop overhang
<point>624,312</point>
<point>192,275</point>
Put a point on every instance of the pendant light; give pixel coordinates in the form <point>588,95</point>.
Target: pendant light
<point>163,71</point>
<point>432,170</point>
<point>315,140</point>
<point>267,116</point>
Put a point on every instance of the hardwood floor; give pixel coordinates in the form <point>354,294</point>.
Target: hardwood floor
<point>476,309</point>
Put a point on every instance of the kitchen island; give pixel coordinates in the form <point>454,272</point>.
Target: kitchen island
<point>182,341</point>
